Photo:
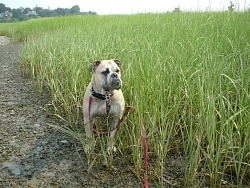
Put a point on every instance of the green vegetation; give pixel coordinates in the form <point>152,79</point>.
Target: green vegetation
<point>187,74</point>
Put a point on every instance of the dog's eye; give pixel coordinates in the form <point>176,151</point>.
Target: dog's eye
<point>117,70</point>
<point>106,72</point>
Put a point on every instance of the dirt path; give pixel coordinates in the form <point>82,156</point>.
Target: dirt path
<point>31,153</point>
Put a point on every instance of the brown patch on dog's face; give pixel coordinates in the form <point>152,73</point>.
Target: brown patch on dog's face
<point>94,65</point>
<point>117,62</point>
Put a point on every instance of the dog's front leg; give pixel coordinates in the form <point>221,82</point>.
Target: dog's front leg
<point>89,135</point>
<point>110,145</point>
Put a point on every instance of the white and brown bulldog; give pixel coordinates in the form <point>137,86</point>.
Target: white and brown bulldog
<point>107,98</point>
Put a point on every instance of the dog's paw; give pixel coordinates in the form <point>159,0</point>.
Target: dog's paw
<point>87,148</point>
<point>111,149</point>
<point>89,145</point>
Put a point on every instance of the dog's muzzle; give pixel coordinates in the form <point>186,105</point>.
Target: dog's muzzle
<point>113,82</point>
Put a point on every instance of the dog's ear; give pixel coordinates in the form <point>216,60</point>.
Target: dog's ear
<point>94,65</point>
<point>117,62</point>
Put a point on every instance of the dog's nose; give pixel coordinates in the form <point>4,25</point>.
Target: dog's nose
<point>114,75</point>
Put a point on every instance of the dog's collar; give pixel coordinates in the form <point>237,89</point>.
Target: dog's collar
<point>99,95</point>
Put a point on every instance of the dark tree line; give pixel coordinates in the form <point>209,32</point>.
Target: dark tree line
<point>20,14</point>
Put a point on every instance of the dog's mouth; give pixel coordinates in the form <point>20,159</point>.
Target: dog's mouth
<point>115,84</point>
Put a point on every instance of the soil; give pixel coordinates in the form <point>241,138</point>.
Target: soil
<point>32,154</point>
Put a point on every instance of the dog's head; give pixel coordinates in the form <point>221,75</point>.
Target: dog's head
<point>107,74</point>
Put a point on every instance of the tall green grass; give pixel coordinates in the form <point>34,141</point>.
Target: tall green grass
<point>187,74</point>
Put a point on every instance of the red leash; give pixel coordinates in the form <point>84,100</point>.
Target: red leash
<point>144,136</point>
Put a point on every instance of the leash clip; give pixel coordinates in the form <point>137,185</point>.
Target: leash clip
<point>108,104</point>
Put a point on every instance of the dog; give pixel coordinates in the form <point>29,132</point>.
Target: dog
<point>106,98</point>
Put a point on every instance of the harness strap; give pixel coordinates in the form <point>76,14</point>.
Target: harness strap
<point>108,105</point>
